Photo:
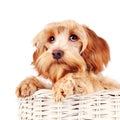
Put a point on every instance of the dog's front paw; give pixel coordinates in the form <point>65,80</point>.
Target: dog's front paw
<point>27,87</point>
<point>62,89</point>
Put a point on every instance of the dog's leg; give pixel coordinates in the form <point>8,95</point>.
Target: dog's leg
<point>28,86</point>
<point>70,85</point>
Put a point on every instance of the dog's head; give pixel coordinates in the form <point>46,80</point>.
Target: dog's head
<point>67,46</point>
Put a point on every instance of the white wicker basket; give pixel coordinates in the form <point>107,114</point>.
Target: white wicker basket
<point>104,105</point>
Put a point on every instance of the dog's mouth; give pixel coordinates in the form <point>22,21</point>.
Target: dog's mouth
<point>58,61</point>
<point>64,65</point>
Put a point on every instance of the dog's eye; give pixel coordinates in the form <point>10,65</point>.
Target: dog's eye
<point>73,37</point>
<point>52,39</point>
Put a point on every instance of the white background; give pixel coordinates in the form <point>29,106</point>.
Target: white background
<point>21,20</point>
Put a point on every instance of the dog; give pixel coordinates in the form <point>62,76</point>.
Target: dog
<point>72,57</point>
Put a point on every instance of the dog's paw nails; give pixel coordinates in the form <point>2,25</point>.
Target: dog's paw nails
<point>26,88</point>
<point>62,89</point>
<point>59,94</point>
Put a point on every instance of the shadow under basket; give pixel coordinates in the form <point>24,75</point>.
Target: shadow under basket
<point>103,105</point>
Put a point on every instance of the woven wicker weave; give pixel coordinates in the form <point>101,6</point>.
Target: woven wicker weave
<point>104,105</point>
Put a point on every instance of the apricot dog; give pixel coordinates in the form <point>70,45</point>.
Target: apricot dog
<point>72,57</point>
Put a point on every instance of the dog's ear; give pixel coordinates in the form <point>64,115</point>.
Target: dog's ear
<point>96,54</point>
<point>39,43</point>
<point>37,40</point>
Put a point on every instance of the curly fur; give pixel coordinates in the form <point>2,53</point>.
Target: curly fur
<point>78,69</point>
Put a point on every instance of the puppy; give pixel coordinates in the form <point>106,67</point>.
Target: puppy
<point>72,57</point>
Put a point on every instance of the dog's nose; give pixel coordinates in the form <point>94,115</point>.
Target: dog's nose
<point>57,54</point>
